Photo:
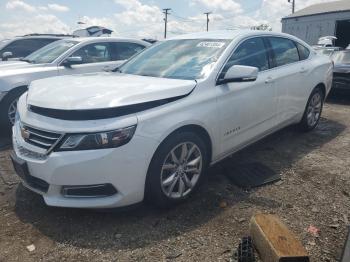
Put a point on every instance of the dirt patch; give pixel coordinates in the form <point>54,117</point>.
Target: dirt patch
<point>314,190</point>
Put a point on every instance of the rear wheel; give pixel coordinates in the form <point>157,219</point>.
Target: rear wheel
<point>313,110</point>
<point>176,169</point>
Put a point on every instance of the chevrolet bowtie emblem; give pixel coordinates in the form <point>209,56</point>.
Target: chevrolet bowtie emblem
<point>25,134</point>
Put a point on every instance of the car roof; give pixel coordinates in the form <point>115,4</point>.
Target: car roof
<point>107,38</point>
<point>41,36</point>
<point>228,34</point>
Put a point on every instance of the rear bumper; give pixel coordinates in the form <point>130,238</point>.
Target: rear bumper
<point>341,83</point>
<point>341,80</point>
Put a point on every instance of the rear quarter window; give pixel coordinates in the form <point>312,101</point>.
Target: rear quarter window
<point>304,52</point>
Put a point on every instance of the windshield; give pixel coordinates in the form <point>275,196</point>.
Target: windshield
<point>179,59</point>
<point>49,53</point>
<point>341,57</point>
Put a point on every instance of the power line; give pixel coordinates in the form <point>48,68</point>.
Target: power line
<point>293,5</point>
<point>166,13</point>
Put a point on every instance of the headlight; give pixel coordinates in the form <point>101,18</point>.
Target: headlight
<point>101,140</point>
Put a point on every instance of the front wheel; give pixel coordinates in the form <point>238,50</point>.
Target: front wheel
<point>8,108</point>
<point>176,169</point>
<point>313,110</point>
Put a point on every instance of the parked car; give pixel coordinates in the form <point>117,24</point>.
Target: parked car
<point>64,57</point>
<point>326,41</point>
<point>326,51</point>
<point>93,31</point>
<point>151,129</point>
<point>19,47</point>
<point>341,73</point>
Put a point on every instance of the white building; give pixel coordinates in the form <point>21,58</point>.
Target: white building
<point>315,21</point>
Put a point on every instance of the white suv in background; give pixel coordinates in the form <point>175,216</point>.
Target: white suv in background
<point>63,57</point>
<point>151,129</point>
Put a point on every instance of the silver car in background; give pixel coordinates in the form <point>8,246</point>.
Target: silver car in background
<point>63,57</point>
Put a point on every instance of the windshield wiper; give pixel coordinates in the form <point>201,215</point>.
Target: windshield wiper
<point>117,70</point>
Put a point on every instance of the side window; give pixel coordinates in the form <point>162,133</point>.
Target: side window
<point>94,53</point>
<point>285,50</point>
<point>303,52</point>
<point>251,52</point>
<point>24,47</point>
<point>41,42</point>
<point>125,50</point>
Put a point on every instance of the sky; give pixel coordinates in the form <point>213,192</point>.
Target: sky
<point>140,18</point>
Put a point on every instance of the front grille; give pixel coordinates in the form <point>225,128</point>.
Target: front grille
<point>43,139</point>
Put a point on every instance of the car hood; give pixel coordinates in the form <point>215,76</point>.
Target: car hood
<point>103,90</point>
<point>10,68</point>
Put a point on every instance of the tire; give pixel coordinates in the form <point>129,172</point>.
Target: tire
<point>170,180</point>
<point>5,105</point>
<point>313,110</point>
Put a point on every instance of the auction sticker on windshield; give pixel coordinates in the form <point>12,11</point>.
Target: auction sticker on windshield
<point>211,44</point>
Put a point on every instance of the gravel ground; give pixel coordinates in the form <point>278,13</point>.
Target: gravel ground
<point>314,190</point>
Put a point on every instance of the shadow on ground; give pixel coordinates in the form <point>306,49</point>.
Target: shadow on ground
<point>340,97</point>
<point>5,140</point>
<point>145,225</point>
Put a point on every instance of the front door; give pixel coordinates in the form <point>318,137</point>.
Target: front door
<point>247,109</point>
<point>95,57</point>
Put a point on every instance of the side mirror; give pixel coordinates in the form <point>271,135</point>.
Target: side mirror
<point>239,73</point>
<point>6,56</point>
<point>73,60</point>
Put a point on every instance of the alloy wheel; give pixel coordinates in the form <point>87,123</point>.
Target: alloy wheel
<point>11,113</point>
<point>181,170</point>
<point>314,109</point>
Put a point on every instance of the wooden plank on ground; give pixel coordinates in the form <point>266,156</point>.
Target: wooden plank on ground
<point>274,241</point>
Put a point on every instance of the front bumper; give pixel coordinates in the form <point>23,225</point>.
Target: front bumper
<point>124,168</point>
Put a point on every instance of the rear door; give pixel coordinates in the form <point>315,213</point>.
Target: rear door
<point>247,109</point>
<point>290,70</point>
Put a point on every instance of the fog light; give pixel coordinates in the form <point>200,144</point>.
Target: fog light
<point>102,190</point>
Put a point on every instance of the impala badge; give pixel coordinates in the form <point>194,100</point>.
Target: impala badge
<point>25,134</point>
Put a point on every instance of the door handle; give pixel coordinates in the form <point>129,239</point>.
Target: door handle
<point>303,70</point>
<point>106,69</point>
<point>269,80</point>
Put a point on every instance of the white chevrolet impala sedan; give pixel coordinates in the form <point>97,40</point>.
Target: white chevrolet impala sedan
<point>151,128</point>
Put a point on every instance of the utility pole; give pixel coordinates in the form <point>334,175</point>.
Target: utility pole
<point>293,5</point>
<point>166,13</point>
<point>207,14</point>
